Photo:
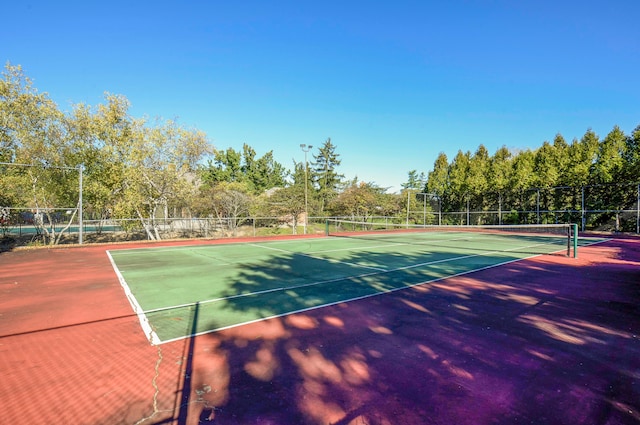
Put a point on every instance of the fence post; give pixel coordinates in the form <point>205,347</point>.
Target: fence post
<point>582,211</point>
<point>538,206</point>
<point>424,209</point>
<point>408,195</point>
<point>468,223</point>
<point>80,206</point>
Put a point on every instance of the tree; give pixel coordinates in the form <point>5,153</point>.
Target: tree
<point>499,175</point>
<point>477,177</point>
<point>582,155</point>
<point>459,180</point>
<point>415,181</point>
<point>607,169</point>
<point>233,166</point>
<point>561,158</point>
<point>225,167</point>
<point>324,173</point>
<point>289,202</point>
<point>414,185</point>
<point>361,201</point>
<point>145,168</point>
<point>546,176</point>
<point>230,202</point>
<point>632,157</point>
<point>104,134</point>
<point>522,178</point>
<point>161,162</point>
<point>264,173</point>
<point>438,180</point>
<point>33,131</point>
<point>609,162</point>
<point>545,169</point>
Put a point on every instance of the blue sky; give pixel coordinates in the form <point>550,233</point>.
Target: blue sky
<point>391,83</point>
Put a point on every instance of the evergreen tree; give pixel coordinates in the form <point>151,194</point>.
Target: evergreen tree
<point>561,158</point>
<point>231,166</point>
<point>459,181</point>
<point>415,181</point>
<point>607,169</point>
<point>521,182</point>
<point>438,180</point>
<point>632,157</point>
<point>324,173</point>
<point>609,158</point>
<point>582,155</point>
<point>477,177</point>
<point>225,167</point>
<point>499,175</point>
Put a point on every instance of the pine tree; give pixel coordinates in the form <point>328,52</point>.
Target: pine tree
<point>325,177</point>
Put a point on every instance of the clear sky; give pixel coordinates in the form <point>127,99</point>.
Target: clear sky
<point>392,83</point>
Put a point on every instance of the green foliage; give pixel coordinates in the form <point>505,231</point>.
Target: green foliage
<point>325,176</point>
<point>35,134</point>
<point>132,166</point>
<point>288,202</point>
<point>259,174</point>
<point>265,173</point>
<point>529,180</point>
<point>459,185</point>
<point>631,156</point>
<point>438,178</point>
<point>610,155</point>
<point>414,181</point>
<point>137,168</point>
<point>363,200</point>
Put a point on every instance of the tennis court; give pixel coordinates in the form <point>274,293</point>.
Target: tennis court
<point>376,324</point>
<point>182,291</point>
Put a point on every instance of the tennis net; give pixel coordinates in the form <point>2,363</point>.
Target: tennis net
<point>558,234</point>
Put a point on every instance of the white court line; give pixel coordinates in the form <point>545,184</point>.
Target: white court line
<point>380,272</point>
<point>383,292</point>
<point>142,317</point>
<point>416,243</point>
<point>330,260</point>
<point>208,245</point>
<point>155,340</point>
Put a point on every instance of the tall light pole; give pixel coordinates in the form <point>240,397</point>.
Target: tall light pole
<point>305,148</point>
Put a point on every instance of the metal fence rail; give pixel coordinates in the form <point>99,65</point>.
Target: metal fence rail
<point>611,208</point>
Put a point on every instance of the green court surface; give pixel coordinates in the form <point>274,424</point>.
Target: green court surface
<point>188,290</point>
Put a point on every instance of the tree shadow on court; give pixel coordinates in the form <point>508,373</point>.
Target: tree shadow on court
<point>545,341</point>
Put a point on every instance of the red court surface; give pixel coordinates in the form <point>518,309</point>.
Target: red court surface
<point>549,340</point>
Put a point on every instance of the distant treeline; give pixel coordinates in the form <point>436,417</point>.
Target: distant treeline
<point>556,173</point>
<point>146,169</point>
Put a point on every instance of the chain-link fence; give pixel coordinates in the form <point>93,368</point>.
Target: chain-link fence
<point>612,208</point>
<point>609,208</point>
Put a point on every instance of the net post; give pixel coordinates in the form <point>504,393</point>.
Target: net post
<point>575,240</point>
<point>569,240</point>
<point>326,227</point>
